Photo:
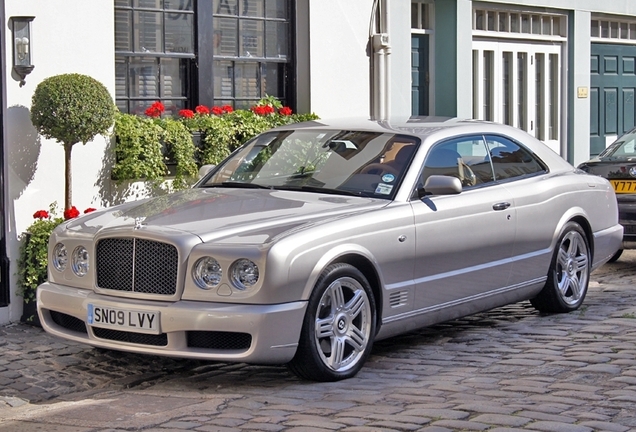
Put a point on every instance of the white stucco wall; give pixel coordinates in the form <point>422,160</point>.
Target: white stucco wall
<point>68,36</point>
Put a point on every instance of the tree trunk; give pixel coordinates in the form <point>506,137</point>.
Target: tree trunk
<point>68,181</point>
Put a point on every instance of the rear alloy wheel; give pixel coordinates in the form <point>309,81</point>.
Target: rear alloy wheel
<point>339,326</point>
<point>569,274</point>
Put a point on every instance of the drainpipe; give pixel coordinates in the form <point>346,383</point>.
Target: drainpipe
<point>379,41</point>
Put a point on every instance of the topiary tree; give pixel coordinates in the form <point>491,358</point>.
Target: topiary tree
<point>71,108</point>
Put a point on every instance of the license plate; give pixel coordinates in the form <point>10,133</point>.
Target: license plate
<point>624,186</point>
<point>123,319</point>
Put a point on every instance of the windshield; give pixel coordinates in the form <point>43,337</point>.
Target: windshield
<point>624,147</point>
<point>341,162</point>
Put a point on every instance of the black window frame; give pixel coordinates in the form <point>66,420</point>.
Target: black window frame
<point>187,60</point>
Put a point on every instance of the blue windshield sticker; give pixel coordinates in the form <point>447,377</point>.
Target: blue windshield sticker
<point>388,178</point>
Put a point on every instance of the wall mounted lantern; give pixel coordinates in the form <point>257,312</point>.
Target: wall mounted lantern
<point>21,32</point>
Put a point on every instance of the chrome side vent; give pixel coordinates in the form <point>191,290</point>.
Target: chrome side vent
<point>399,298</point>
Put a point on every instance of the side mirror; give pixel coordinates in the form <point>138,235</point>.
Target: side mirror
<point>440,185</point>
<point>204,170</point>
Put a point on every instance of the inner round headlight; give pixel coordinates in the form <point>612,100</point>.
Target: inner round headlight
<point>244,273</point>
<point>60,257</point>
<point>207,273</point>
<point>79,261</point>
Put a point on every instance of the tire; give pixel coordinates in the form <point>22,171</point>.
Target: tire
<point>338,328</point>
<point>616,256</point>
<point>569,273</point>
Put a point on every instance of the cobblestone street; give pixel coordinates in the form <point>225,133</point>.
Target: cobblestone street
<point>505,370</point>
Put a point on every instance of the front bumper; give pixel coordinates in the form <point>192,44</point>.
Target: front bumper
<point>263,334</point>
<point>627,218</point>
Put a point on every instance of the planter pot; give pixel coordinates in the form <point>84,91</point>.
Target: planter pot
<point>30,314</point>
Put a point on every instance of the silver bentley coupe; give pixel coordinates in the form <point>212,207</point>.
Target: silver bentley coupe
<point>313,240</point>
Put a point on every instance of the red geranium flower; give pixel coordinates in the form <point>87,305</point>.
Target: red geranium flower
<point>41,214</point>
<point>155,110</point>
<point>217,110</point>
<point>263,109</point>
<point>89,210</point>
<point>71,213</point>
<point>187,113</point>
<point>227,108</point>
<point>286,111</point>
<point>202,109</point>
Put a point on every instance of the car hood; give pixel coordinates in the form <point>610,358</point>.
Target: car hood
<point>609,168</point>
<point>243,215</point>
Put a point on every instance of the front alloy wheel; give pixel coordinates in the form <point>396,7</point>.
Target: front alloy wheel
<point>339,326</point>
<point>569,273</point>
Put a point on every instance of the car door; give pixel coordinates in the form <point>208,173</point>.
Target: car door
<point>534,198</point>
<point>464,241</point>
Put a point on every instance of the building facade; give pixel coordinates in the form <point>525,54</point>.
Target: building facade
<point>563,70</point>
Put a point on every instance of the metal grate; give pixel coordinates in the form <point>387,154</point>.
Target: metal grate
<point>68,322</point>
<point>219,340</point>
<point>143,266</point>
<point>130,337</point>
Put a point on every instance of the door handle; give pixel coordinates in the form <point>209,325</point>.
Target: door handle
<point>501,206</point>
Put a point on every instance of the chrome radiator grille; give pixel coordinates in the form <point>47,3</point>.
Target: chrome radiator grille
<point>136,265</point>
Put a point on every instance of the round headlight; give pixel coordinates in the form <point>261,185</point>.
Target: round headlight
<point>207,273</point>
<point>60,257</point>
<point>79,261</point>
<point>244,273</point>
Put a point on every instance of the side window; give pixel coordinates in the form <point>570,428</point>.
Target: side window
<point>510,160</point>
<point>465,158</point>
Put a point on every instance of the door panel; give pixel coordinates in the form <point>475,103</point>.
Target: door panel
<point>612,88</point>
<point>419,75</point>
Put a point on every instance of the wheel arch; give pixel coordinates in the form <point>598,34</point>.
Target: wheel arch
<point>579,216</point>
<point>587,228</point>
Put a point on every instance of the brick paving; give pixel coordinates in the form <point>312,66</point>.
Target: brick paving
<point>510,369</point>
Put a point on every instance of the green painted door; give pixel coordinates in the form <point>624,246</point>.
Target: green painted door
<point>612,93</point>
<point>419,75</point>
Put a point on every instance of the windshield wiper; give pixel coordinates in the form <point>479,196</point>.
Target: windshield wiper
<point>238,185</point>
<point>323,190</point>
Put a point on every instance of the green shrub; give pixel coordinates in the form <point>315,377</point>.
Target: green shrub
<point>33,258</point>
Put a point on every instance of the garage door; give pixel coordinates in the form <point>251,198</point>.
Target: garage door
<point>612,98</point>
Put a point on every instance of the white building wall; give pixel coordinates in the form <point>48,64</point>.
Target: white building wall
<point>68,36</point>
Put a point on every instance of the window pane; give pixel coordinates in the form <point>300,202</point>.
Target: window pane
<point>614,30</point>
<point>479,20</point>
<point>595,32</point>
<point>276,39</point>
<point>179,35</point>
<point>632,31</point>
<point>123,30</point>
<point>252,36</point>
<point>491,20</point>
<point>182,5</point>
<point>143,76</point>
<point>604,29</point>
<point>556,26</point>
<point>522,79</point>
<point>225,34</point>
<point>122,3</point>
<point>507,88</point>
<point>511,160</point>
<point>514,23</point>
<point>121,71</point>
<point>488,84</point>
<point>149,28</point>
<point>275,80</point>
<point>173,73</point>
<point>276,9</point>
<point>247,81</point>
<point>415,18</point>
<point>624,32</point>
<point>547,25</point>
<point>525,23</point>
<point>554,96</point>
<point>150,4</point>
<point>536,24</point>
<point>223,79</point>
<point>225,7</point>
<point>503,22</point>
<point>539,108</point>
<point>254,8</point>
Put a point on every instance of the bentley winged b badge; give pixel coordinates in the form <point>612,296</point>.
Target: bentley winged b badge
<point>139,222</point>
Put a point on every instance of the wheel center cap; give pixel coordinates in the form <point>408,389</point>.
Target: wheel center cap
<point>341,324</point>
<point>570,267</point>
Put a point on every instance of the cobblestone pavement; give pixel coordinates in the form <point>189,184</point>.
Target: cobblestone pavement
<point>509,369</point>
